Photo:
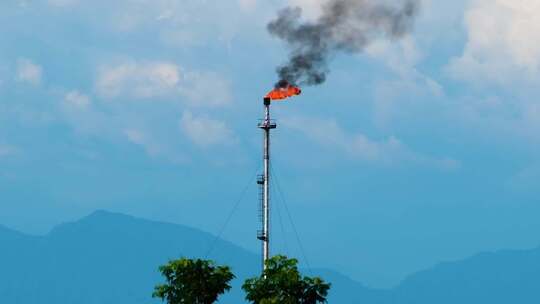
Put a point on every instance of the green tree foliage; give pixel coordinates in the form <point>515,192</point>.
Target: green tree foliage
<point>282,283</point>
<point>193,282</point>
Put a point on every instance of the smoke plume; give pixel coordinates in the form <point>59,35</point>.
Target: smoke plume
<point>345,25</point>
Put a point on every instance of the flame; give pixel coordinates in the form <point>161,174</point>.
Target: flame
<point>284,92</point>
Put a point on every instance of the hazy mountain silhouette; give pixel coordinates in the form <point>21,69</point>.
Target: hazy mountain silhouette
<point>112,258</point>
<point>510,276</point>
<point>102,258</point>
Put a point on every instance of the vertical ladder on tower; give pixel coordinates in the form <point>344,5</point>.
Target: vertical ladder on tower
<point>260,183</point>
<point>260,233</point>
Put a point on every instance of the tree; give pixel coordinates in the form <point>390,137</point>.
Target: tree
<point>193,282</point>
<point>282,283</point>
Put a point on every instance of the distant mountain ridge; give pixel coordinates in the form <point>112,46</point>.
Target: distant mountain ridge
<point>102,258</point>
<point>113,258</point>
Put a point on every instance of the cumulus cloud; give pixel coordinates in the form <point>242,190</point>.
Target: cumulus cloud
<point>153,146</point>
<point>77,99</point>
<point>183,24</point>
<point>503,42</point>
<point>247,5</point>
<point>205,89</point>
<point>401,56</point>
<point>28,72</point>
<point>388,151</point>
<point>142,139</point>
<point>138,80</point>
<point>162,80</point>
<point>327,132</point>
<point>205,132</point>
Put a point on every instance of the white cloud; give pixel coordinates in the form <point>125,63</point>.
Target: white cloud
<point>401,56</point>
<point>28,72</point>
<point>247,5</point>
<point>330,134</point>
<point>186,23</point>
<point>388,151</point>
<point>153,145</point>
<point>163,80</point>
<point>503,42</point>
<point>138,80</point>
<point>77,99</point>
<point>205,89</point>
<point>206,132</point>
<point>142,139</point>
<point>311,9</point>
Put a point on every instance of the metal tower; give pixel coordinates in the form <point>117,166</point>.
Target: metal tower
<point>264,184</point>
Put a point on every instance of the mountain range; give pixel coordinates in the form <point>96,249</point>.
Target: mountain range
<point>110,258</point>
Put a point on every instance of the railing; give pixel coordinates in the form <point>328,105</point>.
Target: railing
<point>260,235</point>
<point>267,124</point>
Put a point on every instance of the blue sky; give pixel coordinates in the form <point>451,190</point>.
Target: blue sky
<point>417,151</point>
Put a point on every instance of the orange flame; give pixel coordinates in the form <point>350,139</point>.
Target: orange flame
<point>284,92</point>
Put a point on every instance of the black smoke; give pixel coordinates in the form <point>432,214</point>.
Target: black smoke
<point>345,25</point>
